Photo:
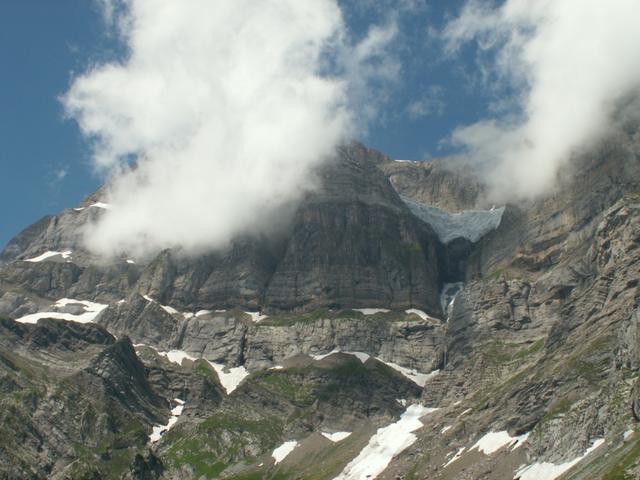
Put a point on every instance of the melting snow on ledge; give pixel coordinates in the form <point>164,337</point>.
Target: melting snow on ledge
<point>371,311</point>
<point>551,471</point>
<point>228,379</point>
<point>283,450</point>
<point>455,457</point>
<point>363,357</point>
<point>161,429</point>
<point>91,311</point>
<point>420,313</point>
<point>66,255</point>
<point>418,378</point>
<point>388,442</point>
<point>494,441</point>
<point>231,379</point>
<point>170,310</point>
<point>166,308</point>
<point>336,436</point>
<point>255,316</point>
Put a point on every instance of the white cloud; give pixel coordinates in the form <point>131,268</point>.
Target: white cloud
<point>225,108</point>
<point>61,173</point>
<point>570,63</point>
<point>431,103</point>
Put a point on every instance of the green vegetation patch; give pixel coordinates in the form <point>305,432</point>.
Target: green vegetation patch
<point>630,459</point>
<point>219,441</point>
<point>283,320</point>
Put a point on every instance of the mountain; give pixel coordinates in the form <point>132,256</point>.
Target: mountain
<point>396,326</point>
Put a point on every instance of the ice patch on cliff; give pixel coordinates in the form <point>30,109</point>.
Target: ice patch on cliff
<point>469,224</point>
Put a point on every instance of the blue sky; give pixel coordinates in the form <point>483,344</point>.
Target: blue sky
<point>46,163</point>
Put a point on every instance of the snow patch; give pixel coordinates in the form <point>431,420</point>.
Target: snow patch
<point>363,357</point>
<point>388,442</point>
<point>130,261</point>
<point>159,430</point>
<point>421,314</point>
<point>283,450</point>
<point>102,205</point>
<point>493,441</point>
<point>255,316</point>
<point>169,309</point>
<point>446,429</point>
<point>371,311</point>
<point>465,412</point>
<point>469,224</point>
<point>520,439</point>
<point>177,356</point>
<point>231,378</point>
<point>66,255</point>
<point>336,436</point>
<point>416,377</point>
<point>455,457</point>
<point>551,471</point>
<point>324,355</point>
<point>166,308</point>
<point>628,434</point>
<point>201,313</point>
<point>91,311</point>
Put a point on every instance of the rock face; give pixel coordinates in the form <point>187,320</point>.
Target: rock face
<point>356,244</point>
<point>351,243</point>
<point>290,356</point>
<point>399,338</point>
<point>445,183</point>
<point>68,386</point>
